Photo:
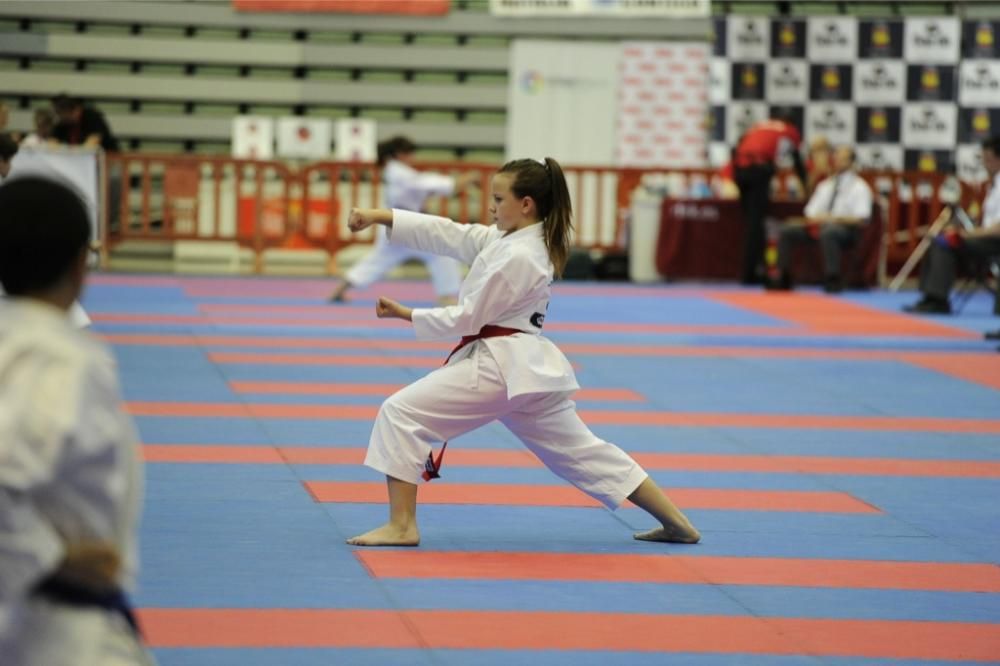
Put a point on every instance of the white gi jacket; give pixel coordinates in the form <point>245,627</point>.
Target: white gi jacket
<point>405,187</point>
<point>508,284</point>
<point>69,462</point>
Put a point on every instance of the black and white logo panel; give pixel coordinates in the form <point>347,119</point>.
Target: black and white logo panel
<point>975,124</point>
<point>748,37</point>
<point>979,83</point>
<point>928,160</point>
<point>880,39</point>
<point>930,125</point>
<point>979,39</point>
<point>787,82</point>
<point>879,82</point>
<point>719,86</point>
<point>831,82</point>
<point>832,39</point>
<point>747,79</point>
<point>740,116</point>
<point>719,42</point>
<point>717,123</point>
<point>878,124</point>
<point>969,163</point>
<point>835,121</point>
<point>719,153</point>
<point>932,40</point>
<point>880,156</point>
<point>930,83</point>
<point>788,38</point>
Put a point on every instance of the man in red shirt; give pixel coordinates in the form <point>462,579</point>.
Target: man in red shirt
<point>753,162</point>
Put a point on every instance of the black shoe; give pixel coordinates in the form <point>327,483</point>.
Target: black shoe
<point>833,285</point>
<point>929,305</point>
<point>781,283</point>
<point>992,335</point>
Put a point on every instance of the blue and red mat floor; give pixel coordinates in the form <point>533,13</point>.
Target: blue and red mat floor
<point>841,459</point>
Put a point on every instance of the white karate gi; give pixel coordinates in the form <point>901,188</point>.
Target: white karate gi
<point>77,315</point>
<point>523,379</point>
<point>405,187</point>
<point>69,472</point>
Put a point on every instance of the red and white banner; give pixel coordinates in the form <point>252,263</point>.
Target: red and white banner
<point>304,137</point>
<point>412,7</point>
<point>253,137</point>
<point>663,105</point>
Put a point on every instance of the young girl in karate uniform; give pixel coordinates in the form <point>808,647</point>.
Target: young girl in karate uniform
<point>406,188</point>
<point>503,369</point>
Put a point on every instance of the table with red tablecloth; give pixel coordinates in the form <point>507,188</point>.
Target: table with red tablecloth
<point>703,239</point>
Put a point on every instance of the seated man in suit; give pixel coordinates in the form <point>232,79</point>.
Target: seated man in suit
<point>938,273</point>
<point>837,209</point>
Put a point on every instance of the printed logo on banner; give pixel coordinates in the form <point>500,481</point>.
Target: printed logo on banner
<point>830,82</point>
<point>886,157</point>
<point>719,84</point>
<point>719,37</point>
<point>832,39</point>
<point>748,80</point>
<point>748,38</point>
<point>930,83</point>
<point>979,83</point>
<point>879,82</point>
<point>977,124</point>
<point>788,39</point>
<point>834,121</point>
<point>929,125</point>
<point>932,40</point>
<point>969,163</point>
<point>786,81</point>
<point>880,39</point>
<point>928,160</point>
<point>979,39</point>
<point>741,116</point>
<point>878,124</point>
<point>532,81</point>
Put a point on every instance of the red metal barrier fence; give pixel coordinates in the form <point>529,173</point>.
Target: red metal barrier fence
<point>262,205</point>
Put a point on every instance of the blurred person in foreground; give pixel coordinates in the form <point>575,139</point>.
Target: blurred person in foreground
<point>70,471</point>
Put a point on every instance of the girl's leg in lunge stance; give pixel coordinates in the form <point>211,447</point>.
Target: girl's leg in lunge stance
<point>450,401</point>
<point>551,428</point>
<point>401,530</point>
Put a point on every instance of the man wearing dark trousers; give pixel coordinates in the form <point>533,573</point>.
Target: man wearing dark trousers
<point>953,245</point>
<point>754,160</point>
<point>834,215</point>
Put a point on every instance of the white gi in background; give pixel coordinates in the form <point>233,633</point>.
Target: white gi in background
<point>405,187</point>
<point>523,380</point>
<point>70,472</point>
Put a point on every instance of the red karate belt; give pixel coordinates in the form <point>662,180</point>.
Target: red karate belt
<point>432,467</point>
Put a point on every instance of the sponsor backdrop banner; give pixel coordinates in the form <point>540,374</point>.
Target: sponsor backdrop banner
<point>562,101</point>
<point>637,104</point>
<point>662,105</point>
<point>916,93</point>
<point>607,8</point>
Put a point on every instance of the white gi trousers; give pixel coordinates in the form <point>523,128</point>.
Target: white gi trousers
<point>445,272</point>
<point>471,392</point>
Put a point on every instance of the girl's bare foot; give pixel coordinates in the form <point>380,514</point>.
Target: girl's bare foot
<point>388,535</point>
<point>673,535</point>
